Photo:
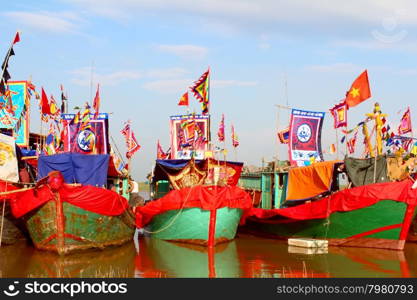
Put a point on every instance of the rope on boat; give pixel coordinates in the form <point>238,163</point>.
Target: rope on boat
<point>174,218</point>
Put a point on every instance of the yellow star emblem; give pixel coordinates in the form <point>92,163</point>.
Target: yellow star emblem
<point>354,92</point>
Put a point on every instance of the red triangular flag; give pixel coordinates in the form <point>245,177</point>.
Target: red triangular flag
<point>16,38</point>
<point>45,109</point>
<point>184,99</point>
<point>359,91</point>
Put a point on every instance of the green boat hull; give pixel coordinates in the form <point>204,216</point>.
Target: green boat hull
<point>191,225</point>
<point>76,229</point>
<point>376,226</point>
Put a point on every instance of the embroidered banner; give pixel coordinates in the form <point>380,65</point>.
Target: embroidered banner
<point>92,139</point>
<point>339,113</point>
<point>14,107</point>
<point>189,135</point>
<point>305,137</point>
<point>8,160</point>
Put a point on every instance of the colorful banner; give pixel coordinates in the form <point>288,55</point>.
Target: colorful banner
<point>132,144</point>
<point>91,140</point>
<point>186,139</point>
<point>339,113</point>
<point>405,123</point>
<point>284,135</point>
<point>8,160</point>
<point>14,111</point>
<point>305,137</point>
<point>223,172</point>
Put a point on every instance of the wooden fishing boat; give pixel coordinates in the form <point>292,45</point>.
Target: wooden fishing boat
<point>209,226</point>
<point>375,215</point>
<point>194,212</point>
<point>65,218</point>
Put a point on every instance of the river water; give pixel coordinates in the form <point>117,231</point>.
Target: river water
<point>246,256</point>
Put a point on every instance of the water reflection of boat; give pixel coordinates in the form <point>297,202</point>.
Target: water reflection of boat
<point>111,262</point>
<point>367,263</point>
<point>14,259</point>
<point>159,258</point>
<point>264,260</point>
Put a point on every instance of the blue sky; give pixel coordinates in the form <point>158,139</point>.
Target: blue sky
<point>146,53</point>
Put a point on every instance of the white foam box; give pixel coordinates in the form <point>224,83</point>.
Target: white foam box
<point>308,243</point>
<point>308,251</point>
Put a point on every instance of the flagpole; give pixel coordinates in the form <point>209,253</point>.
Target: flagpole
<point>7,58</point>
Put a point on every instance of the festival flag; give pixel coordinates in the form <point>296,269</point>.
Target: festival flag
<point>50,140</point>
<point>332,149</point>
<point>16,38</point>
<point>184,99</point>
<point>45,108</point>
<point>85,118</point>
<point>160,154</point>
<point>339,113</point>
<point>305,136</point>
<point>220,132</point>
<point>96,102</point>
<point>235,140</point>
<point>359,91</point>
<point>63,100</point>
<point>31,88</point>
<point>131,142</point>
<point>53,107</point>
<point>351,143</point>
<point>406,144</point>
<point>76,118</point>
<point>5,76</point>
<point>405,123</point>
<point>284,135</point>
<point>201,90</point>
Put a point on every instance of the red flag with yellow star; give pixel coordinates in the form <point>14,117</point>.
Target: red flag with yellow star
<point>359,91</point>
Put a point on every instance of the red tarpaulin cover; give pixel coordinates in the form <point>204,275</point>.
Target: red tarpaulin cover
<point>204,197</point>
<point>345,200</point>
<point>94,199</point>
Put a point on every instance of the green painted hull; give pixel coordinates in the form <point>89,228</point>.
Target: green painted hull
<point>191,225</point>
<point>77,230</point>
<point>376,226</point>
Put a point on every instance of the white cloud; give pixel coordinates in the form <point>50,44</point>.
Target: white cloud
<point>244,15</point>
<point>166,73</point>
<point>184,51</point>
<point>56,22</point>
<point>83,77</point>
<point>168,86</point>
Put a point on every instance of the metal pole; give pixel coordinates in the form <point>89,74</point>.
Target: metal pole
<point>279,106</point>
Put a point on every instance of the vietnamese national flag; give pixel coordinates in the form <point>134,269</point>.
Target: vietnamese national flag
<point>184,99</point>
<point>359,91</point>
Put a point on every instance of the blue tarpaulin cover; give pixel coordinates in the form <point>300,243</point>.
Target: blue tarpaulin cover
<point>76,167</point>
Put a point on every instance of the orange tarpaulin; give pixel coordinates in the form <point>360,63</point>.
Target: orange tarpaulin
<point>310,181</point>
